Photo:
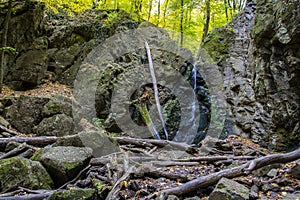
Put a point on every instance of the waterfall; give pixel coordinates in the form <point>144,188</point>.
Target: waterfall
<point>194,83</point>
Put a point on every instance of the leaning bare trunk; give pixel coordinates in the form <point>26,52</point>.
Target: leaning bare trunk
<point>4,43</point>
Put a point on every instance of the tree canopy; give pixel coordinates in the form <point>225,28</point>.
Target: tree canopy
<point>187,20</point>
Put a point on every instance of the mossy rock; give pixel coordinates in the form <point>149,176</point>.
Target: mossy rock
<point>63,163</point>
<point>73,194</point>
<point>18,171</point>
<point>217,43</point>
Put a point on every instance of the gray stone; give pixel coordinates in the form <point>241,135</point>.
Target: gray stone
<point>63,163</point>
<point>100,142</point>
<point>73,194</point>
<point>58,105</point>
<point>172,197</point>
<point>57,125</point>
<point>229,189</point>
<point>192,198</point>
<point>18,171</point>
<point>272,173</point>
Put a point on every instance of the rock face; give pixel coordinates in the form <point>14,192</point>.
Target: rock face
<point>63,163</point>
<point>29,67</point>
<point>124,74</point>
<point>23,172</point>
<point>260,67</point>
<point>228,189</point>
<point>53,46</point>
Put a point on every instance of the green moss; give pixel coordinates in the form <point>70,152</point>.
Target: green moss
<point>70,165</point>
<point>36,156</point>
<point>23,172</point>
<point>217,43</point>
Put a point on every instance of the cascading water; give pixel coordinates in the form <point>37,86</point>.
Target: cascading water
<point>194,83</point>
<point>202,97</point>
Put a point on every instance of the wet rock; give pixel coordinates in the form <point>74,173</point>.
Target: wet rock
<point>73,194</point>
<point>57,125</point>
<point>63,163</point>
<point>18,171</point>
<point>229,189</point>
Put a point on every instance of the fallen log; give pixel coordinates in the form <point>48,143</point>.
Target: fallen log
<point>29,197</point>
<point>244,169</point>
<point>214,158</point>
<point>153,142</point>
<point>40,141</point>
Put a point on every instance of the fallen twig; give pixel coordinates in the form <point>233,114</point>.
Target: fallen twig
<point>19,149</point>
<point>4,129</point>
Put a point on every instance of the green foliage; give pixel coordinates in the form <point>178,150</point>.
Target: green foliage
<point>69,6</point>
<point>98,122</point>
<point>8,49</point>
<point>167,14</point>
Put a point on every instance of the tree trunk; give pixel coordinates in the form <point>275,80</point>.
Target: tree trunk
<point>150,9</point>
<point>181,22</point>
<point>207,19</point>
<point>165,12</point>
<point>4,43</point>
<point>226,10</point>
<point>158,12</point>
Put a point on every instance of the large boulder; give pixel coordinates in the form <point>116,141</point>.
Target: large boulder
<point>98,141</point>
<point>57,125</point>
<point>25,173</point>
<point>63,163</point>
<point>229,189</point>
<point>30,67</point>
<point>39,114</point>
<point>58,105</point>
<point>25,112</point>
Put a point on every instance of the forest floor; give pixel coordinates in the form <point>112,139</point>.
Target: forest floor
<point>146,167</point>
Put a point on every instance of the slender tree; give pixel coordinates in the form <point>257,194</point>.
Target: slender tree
<point>226,10</point>
<point>158,12</point>
<point>181,21</point>
<point>165,12</point>
<point>4,43</point>
<point>150,10</point>
<point>207,19</point>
